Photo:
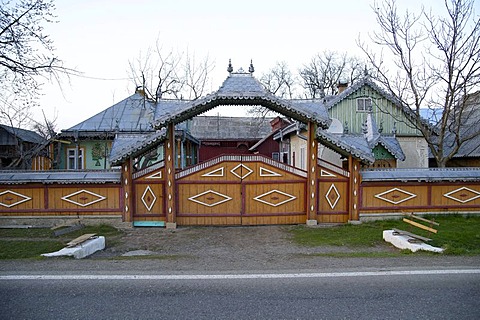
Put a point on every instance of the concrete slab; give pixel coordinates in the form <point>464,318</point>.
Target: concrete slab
<point>81,250</point>
<point>138,253</point>
<point>401,241</point>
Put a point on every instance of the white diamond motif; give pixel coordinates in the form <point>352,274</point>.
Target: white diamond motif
<point>334,195</point>
<point>212,196</point>
<point>463,197</point>
<point>288,198</point>
<point>150,201</point>
<point>396,193</point>
<point>241,165</point>
<point>6,198</point>
<point>83,199</point>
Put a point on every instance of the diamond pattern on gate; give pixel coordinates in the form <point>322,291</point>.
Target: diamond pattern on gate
<point>239,169</point>
<point>148,198</point>
<point>332,196</point>
<point>10,198</point>
<point>395,196</point>
<point>275,198</point>
<point>463,195</point>
<point>83,198</point>
<point>210,198</point>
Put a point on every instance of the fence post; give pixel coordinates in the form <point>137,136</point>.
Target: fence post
<point>312,181</point>
<point>170,176</point>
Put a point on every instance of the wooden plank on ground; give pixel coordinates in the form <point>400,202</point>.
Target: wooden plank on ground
<point>419,225</point>
<point>411,235</point>
<point>80,239</point>
<point>75,227</point>
<point>423,219</point>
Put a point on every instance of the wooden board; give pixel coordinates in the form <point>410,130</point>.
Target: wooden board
<point>419,225</point>
<point>80,239</point>
<point>411,235</point>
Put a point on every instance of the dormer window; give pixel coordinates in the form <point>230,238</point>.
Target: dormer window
<point>363,104</point>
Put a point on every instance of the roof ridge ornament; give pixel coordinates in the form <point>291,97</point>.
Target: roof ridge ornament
<point>251,69</point>
<point>230,68</point>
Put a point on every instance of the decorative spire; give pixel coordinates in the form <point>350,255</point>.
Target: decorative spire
<point>365,72</point>
<point>346,130</point>
<point>251,69</point>
<point>230,68</point>
<point>394,130</point>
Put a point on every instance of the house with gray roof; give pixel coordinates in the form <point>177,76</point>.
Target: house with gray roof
<point>365,101</point>
<point>19,147</point>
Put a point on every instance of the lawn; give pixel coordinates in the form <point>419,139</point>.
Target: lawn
<point>30,243</point>
<point>459,235</point>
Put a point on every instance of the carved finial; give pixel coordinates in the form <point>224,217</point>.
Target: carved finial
<point>394,129</point>
<point>365,127</point>
<point>230,68</point>
<point>346,130</point>
<point>251,69</point>
<point>380,128</point>
<point>365,71</point>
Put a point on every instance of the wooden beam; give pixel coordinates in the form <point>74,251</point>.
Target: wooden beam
<point>312,182</point>
<point>422,219</point>
<point>419,225</point>
<point>411,235</point>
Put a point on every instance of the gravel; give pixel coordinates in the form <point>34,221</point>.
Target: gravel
<point>231,249</point>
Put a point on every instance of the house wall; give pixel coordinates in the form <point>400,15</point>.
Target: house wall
<point>416,152</point>
<point>89,162</point>
<point>268,147</point>
<point>384,112</point>
<point>298,158</point>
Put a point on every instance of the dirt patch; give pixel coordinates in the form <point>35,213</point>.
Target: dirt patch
<point>239,247</point>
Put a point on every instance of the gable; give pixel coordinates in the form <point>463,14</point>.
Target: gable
<point>386,113</point>
<point>380,152</point>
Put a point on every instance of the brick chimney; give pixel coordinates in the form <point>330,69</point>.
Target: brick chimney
<point>342,85</point>
<point>278,123</point>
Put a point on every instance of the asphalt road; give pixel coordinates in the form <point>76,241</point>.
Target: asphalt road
<point>402,294</point>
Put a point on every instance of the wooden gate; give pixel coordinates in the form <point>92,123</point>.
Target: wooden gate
<point>241,190</point>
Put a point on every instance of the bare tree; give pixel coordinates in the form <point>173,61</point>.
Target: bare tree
<point>279,80</point>
<point>323,73</point>
<point>171,74</point>
<point>26,57</point>
<point>431,62</point>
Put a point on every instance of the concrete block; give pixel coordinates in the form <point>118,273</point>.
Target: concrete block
<point>401,241</point>
<point>81,250</point>
<point>171,225</point>
<point>311,223</point>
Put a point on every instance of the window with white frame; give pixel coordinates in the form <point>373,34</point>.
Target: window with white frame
<point>75,158</point>
<point>363,104</point>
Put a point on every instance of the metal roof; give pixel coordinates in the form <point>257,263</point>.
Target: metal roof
<point>60,177</point>
<point>23,134</point>
<point>470,120</point>
<point>422,174</point>
<point>126,145</point>
<point>242,89</point>
<point>133,114</point>
<point>355,145</point>
<point>231,128</point>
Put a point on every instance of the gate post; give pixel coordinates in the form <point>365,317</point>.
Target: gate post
<point>354,189</point>
<point>170,177</point>
<point>312,181</point>
<point>127,188</point>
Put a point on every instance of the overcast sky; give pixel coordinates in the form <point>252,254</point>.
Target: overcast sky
<point>100,37</point>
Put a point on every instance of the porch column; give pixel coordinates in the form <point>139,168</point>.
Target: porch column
<point>312,188</point>
<point>127,191</point>
<point>354,189</point>
<point>170,177</point>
